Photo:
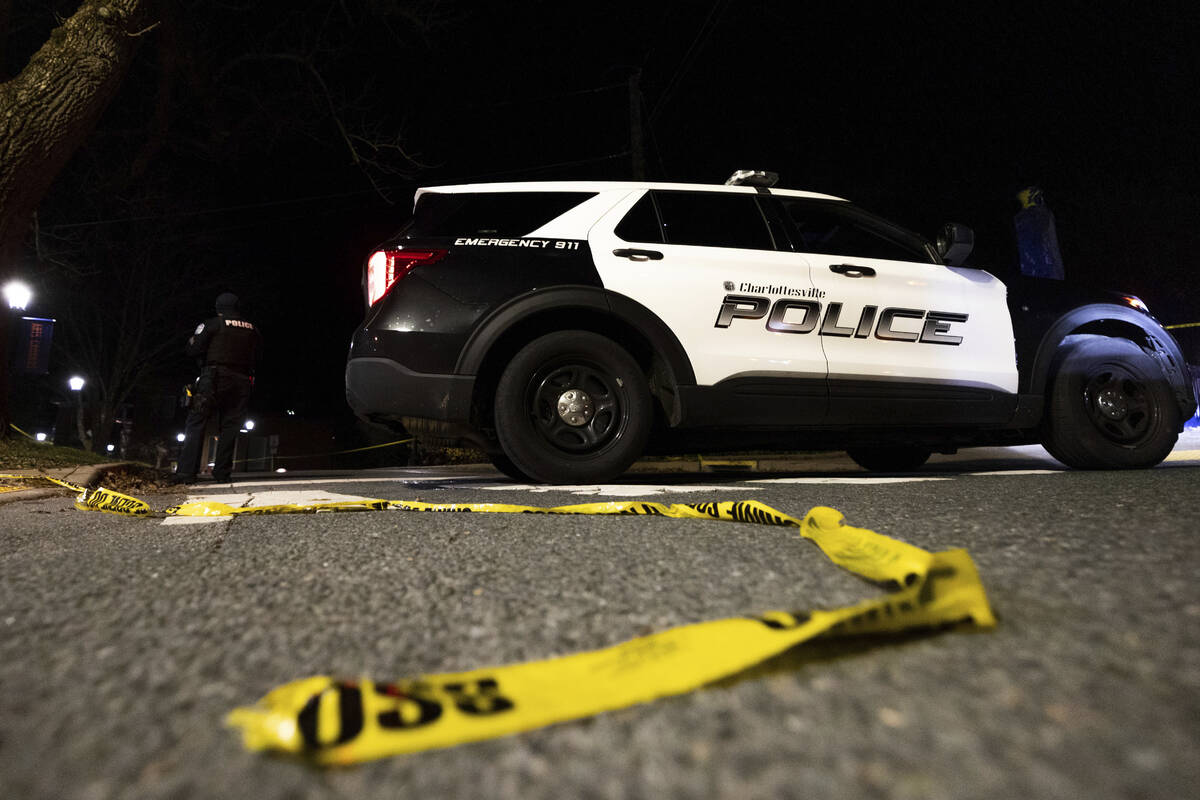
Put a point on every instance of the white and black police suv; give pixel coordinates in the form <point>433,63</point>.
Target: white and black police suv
<point>566,328</point>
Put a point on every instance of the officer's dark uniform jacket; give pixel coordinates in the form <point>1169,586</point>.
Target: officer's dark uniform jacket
<point>227,341</point>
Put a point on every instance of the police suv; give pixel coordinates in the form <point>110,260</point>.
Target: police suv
<point>566,328</point>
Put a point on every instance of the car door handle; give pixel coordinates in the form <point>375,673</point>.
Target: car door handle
<point>852,270</point>
<point>638,255</point>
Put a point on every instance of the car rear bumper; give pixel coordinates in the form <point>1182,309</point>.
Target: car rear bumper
<point>380,388</point>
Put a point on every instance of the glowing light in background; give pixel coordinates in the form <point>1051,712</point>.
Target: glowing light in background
<point>17,294</point>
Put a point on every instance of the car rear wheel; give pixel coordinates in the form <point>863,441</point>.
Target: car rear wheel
<point>572,407</point>
<point>1110,407</point>
<point>889,459</point>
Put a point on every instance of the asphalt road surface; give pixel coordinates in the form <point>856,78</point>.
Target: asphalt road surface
<point>124,642</point>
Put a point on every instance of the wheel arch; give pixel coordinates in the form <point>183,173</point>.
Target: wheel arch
<point>1106,319</point>
<point>521,320</point>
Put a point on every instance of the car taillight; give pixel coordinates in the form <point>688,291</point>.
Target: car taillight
<point>385,267</point>
<point>1135,302</point>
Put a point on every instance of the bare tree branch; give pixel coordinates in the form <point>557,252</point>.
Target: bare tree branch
<point>47,111</point>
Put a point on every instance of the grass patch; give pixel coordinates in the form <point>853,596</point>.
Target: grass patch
<point>17,452</point>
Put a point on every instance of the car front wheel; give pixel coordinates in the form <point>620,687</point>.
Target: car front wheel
<point>572,407</point>
<point>1110,407</point>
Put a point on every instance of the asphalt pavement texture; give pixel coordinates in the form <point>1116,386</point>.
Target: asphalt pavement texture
<point>126,641</point>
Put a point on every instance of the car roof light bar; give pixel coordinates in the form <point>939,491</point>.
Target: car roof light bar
<point>752,177</point>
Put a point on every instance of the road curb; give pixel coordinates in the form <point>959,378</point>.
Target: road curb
<point>84,475</point>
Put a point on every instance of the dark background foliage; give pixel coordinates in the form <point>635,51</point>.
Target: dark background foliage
<point>265,147</point>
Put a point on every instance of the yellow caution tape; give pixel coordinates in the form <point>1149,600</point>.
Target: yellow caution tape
<point>332,721</point>
<point>101,499</point>
<point>1183,325</point>
<point>23,433</point>
<point>332,453</point>
<point>46,478</point>
<point>342,452</point>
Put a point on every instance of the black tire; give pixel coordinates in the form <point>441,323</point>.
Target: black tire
<point>1109,407</point>
<point>897,458</point>
<point>505,465</point>
<point>596,441</point>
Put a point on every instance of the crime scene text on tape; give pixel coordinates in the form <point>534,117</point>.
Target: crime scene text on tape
<point>331,721</point>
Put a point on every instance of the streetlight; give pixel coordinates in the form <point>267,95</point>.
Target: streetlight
<point>17,294</point>
<point>76,384</point>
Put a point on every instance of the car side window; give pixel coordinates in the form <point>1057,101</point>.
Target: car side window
<point>641,223</point>
<point>713,219</point>
<point>840,229</point>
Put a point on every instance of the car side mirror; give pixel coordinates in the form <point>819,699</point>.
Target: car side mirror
<point>955,243</point>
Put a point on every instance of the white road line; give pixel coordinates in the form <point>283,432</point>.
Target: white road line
<point>284,481</point>
<point>301,497</point>
<point>862,480</point>
<point>194,520</point>
<point>314,491</point>
<point>610,489</point>
<point>1019,472</point>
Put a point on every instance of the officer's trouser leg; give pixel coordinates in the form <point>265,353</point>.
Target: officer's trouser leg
<point>233,393</point>
<point>193,444</point>
<point>193,430</point>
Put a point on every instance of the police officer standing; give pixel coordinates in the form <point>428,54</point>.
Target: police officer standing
<point>229,349</point>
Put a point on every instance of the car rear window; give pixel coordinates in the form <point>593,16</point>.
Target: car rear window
<point>508,214</point>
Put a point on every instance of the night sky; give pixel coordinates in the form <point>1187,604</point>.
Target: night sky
<point>922,112</point>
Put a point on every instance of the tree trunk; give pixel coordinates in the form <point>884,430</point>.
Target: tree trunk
<point>46,113</point>
<point>85,441</point>
<point>102,433</point>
